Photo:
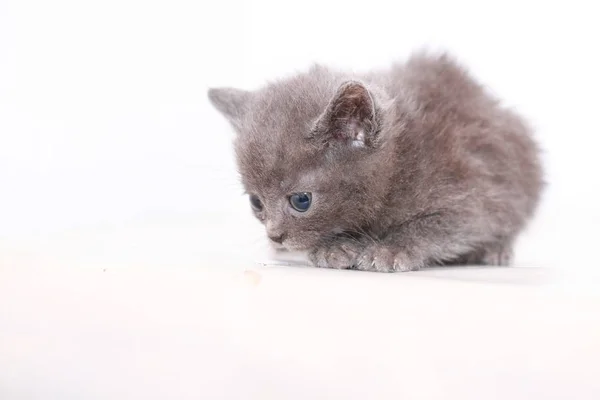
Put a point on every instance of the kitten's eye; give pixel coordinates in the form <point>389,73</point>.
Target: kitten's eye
<point>301,201</point>
<point>256,203</point>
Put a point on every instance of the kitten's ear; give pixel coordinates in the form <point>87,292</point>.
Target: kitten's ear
<point>232,103</point>
<point>350,117</point>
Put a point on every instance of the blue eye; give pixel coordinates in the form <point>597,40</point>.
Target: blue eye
<point>256,203</point>
<point>301,201</point>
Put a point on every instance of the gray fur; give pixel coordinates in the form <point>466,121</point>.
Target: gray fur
<point>409,167</point>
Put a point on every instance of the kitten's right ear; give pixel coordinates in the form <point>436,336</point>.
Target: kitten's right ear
<point>232,103</point>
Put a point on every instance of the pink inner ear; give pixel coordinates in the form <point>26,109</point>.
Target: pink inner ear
<point>351,111</point>
<point>339,135</point>
<point>350,131</point>
<point>349,117</point>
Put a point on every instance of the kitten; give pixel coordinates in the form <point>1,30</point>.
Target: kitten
<point>393,170</point>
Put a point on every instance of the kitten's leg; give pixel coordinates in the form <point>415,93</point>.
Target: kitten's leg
<point>425,241</point>
<point>497,254</point>
<point>341,253</point>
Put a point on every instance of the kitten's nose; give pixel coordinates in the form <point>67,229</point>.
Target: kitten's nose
<point>277,239</point>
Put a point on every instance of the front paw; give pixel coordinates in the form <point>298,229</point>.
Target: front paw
<point>336,255</point>
<point>381,258</point>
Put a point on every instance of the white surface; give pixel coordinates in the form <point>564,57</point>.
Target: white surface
<point>295,333</point>
<point>112,159</point>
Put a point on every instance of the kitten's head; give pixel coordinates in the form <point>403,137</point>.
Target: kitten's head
<point>309,151</point>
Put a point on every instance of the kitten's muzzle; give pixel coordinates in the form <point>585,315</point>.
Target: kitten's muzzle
<point>278,239</point>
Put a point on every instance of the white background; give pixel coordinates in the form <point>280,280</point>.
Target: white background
<point>105,127</point>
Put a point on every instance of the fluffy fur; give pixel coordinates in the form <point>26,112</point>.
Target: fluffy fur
<point>413,166</point>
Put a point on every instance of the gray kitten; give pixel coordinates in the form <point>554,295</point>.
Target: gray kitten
<point>393,170</point>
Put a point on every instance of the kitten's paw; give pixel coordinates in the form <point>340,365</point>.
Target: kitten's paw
<point>340,255</point>
<point>380,258</point>
<point>498,257</point>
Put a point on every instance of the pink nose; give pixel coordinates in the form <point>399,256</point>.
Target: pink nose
<point>278,239</point>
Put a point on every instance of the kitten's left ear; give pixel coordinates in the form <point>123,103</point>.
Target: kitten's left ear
<point>232,103</point>
<point>350,118</point>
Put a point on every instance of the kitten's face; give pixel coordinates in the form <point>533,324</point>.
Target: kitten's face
<point>305,150</point>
